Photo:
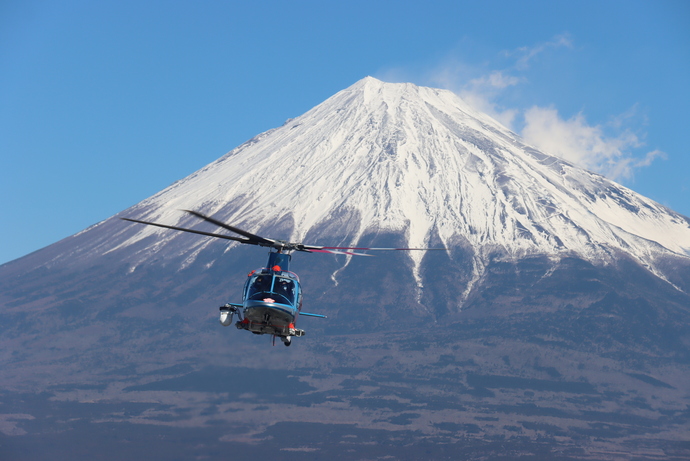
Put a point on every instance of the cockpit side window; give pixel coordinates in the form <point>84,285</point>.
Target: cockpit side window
<point>260,284</point>
<point>285,287</point>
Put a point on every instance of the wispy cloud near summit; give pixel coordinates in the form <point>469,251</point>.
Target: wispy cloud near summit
<point>585,145</point>
<point>526,54</point>
<point>611,149</point>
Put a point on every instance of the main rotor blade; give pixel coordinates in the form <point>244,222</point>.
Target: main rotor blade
<point>209,234</point>
<point>336,252</point>
<point>256,238</point>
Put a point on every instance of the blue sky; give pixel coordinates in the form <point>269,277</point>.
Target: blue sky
<point>103,104</point>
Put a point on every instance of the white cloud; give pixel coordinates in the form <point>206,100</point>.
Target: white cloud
<point>585,145</point>
<point>607,149</point>
<point>482,89</point>
<point>481,102</point>
<point>450,74</point>
<point>528,53</point>
<point>480,92</point>
<point>496,79</point>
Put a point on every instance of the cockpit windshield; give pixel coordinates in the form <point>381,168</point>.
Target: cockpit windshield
<point>280,289</point>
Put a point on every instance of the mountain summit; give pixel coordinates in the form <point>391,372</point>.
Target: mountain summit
<point>399,157</point>
<point>555,324</point>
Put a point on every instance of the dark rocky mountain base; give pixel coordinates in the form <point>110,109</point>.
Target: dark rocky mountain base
<point>565,361</point>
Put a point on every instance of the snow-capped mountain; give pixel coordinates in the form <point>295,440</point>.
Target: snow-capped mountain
<point>419,160</point>
<point>554,325</point>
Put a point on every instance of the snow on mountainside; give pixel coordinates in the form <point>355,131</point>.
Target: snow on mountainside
<point>403,157</point>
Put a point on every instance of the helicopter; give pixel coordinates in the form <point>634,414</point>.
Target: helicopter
<point>272,295</point>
